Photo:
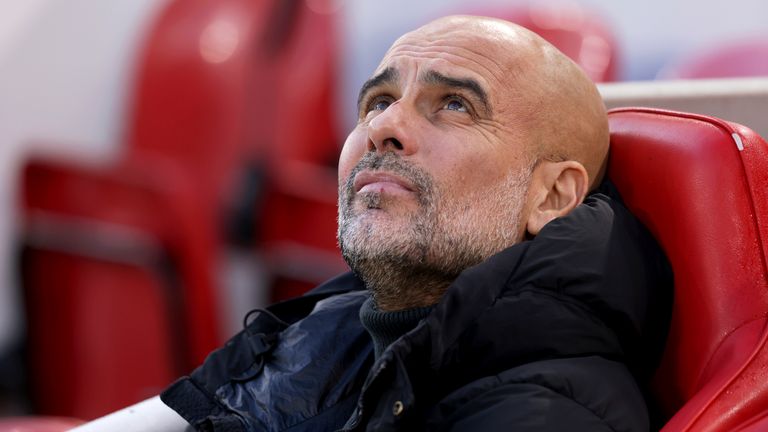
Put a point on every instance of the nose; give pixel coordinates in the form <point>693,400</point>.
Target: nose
<point>392,130</point>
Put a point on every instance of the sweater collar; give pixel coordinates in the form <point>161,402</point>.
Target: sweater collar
<point>387,327</point>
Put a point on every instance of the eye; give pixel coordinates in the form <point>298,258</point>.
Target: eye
<point>376,103</point>
<point>380,105</point>
<point>455,105</point>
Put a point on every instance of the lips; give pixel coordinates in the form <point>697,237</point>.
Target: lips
<point>379,181</point>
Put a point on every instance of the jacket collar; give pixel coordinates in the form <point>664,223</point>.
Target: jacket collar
<point>586,285</point>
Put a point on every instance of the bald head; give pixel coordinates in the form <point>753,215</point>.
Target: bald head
<point>472,135</point>
<point>543,90</point>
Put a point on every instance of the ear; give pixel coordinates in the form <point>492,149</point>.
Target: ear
<point>556,189</point>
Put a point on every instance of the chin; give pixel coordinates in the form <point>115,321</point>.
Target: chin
<point>377,234</point>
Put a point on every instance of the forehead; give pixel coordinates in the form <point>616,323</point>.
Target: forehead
<point>494,54</point>
<point>451,52</point>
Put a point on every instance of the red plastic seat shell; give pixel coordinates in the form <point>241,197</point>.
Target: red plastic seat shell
<point>118,283</point>
<point>702,196</point>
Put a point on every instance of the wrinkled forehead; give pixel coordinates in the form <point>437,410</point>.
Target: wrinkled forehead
<point>483,34</point>
<point>488,51</point>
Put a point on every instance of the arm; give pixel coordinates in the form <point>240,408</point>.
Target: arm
<point>526,407</point>
<point>568,394</point>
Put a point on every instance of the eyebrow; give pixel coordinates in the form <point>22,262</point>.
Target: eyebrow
<point>387,76</point>
<point>468,84</point>
<point>390,75</point>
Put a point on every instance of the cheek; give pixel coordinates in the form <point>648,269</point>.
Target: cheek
<point>467,177</point>
<point>468,171</point>
<point>351,153</point>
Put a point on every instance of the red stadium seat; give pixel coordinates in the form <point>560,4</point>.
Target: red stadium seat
<point>297,223</point>
<point>196,75</point>
<point>225,84</point>
<point>230,87</point>
<point>297,229</point>
<point>117,277</point>
<point>120,260</point>
<point>746,58</point>
<point>699,184</point>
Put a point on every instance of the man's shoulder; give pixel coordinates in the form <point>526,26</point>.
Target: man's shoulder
<point>296,308</point>
<point>282,348</point>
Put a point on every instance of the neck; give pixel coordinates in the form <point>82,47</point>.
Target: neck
<point>386,327</point>
<point>406,290</point>
<point>398,283</point>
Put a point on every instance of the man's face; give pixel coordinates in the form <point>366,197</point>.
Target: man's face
<point>435,175</point>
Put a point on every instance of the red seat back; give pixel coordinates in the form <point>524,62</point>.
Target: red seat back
<point>241,94</point>
<point>197,73</point>
<point>221,84</point>
<point>118,284</point>
<point>120,259</point>
<point>699,184</point>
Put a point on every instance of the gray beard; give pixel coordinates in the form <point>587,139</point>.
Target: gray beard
<point>412,265</point>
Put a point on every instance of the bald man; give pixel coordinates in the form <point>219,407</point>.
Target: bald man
<point>472,134</point>
<point>497,282</point>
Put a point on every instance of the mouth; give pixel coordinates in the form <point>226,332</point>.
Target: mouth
<point>380,181</point>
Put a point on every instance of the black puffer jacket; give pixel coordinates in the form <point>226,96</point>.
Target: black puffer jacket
<point>551,334</point>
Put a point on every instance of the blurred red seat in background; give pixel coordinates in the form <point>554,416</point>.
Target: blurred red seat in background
<point>699,184</point>
<point>191,99</point>
<point>117,277</point>
<point>745,58</point>
<point>230,143</point>
<point>242,95</point>
<point>578,32</point>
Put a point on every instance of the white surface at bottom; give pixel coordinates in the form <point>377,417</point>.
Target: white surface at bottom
<point>151,415</point>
